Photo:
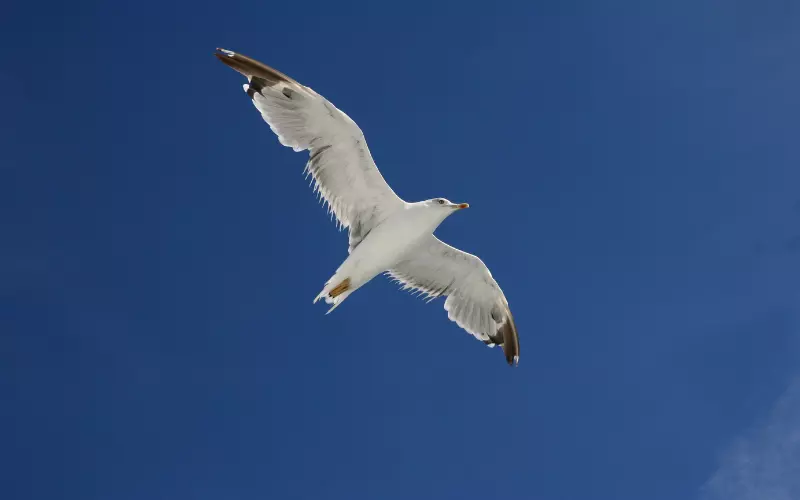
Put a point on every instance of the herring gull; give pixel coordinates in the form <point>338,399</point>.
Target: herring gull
<point>387,234</point>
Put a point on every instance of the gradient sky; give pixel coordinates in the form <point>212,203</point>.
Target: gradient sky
<point>633,177</point>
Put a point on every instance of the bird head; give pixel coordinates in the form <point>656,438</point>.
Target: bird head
<point>445,204</point>
<point>436,210</point>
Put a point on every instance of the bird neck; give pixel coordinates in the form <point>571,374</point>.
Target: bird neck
<point>429,216</point>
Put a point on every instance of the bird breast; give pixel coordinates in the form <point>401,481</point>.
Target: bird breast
<point>385,245</point>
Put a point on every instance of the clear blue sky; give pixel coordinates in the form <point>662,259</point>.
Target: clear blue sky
<point>634,183</point>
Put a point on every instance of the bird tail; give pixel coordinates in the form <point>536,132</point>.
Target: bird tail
<point>335,291</point>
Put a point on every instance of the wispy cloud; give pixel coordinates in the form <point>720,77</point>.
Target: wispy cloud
<point>765,463</point>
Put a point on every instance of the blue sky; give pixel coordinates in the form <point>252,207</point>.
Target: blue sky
<point>632,173</point>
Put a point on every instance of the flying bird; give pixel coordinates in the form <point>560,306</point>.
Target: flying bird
<point>386,234</point>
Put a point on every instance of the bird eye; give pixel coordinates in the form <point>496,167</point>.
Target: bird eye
<point>440,201</point>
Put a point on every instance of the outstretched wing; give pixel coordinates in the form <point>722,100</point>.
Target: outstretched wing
<point>474,300</point>
<point>340,163</point>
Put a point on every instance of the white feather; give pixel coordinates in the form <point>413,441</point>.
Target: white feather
<point>438,269</point>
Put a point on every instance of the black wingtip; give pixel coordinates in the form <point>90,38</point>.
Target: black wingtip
<point>224,54</point>
<point>252,68</point>
<point>510,340</point>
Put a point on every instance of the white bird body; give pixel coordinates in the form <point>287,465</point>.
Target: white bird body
<point>385,246</point>
<point>386,233</point>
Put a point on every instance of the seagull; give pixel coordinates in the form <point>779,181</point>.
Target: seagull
<point>387,235</point>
